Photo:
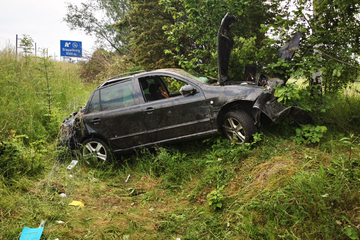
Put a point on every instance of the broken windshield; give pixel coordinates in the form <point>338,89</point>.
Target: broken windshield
<point>199,77</point>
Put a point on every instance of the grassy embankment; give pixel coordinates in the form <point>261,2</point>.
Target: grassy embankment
<point>273,189</point>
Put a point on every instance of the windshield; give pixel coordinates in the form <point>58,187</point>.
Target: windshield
<point>198,77</point>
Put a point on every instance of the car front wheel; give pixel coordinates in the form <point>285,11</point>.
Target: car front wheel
<point>95,148</point>
<point>238,127</point>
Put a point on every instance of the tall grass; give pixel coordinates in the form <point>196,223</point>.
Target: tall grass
<point>344,114</point>
<point>27,85</point>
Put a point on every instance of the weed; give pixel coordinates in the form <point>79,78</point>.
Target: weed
<point>216,197</point>
<point>350,142</point>
<point>16,160</point>
<point>309,134</point>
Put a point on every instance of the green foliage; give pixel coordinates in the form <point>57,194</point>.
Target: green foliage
<point>103,65</point>
<point>224,151</point>
<point>36,94</point>
<point>351,233</point>
<point>350,142</point>
<point>169,163</point>
<point>287,93</point>
<point>293,95</point>
<point>17,161</point>
<point>147,38</point>
<point>243,53</point>
<point>26,43</point>
<point>309,134</point>
<point>322,24</point>
<point>216,197</point>
<point>344,114</point>
<point>102,26</point>
<point>308,199</point>
<point>194,28</point>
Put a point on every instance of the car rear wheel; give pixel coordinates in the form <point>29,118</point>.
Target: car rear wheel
<point>95,148</point>
<point>238,127</point>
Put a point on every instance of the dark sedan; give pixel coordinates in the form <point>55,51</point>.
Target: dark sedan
<point>164,106</point>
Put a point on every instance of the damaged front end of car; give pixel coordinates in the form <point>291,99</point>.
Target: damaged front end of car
<point>265,103</point>
<point>268,104</point>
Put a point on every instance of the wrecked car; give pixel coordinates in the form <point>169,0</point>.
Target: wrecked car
<point>164,106</point>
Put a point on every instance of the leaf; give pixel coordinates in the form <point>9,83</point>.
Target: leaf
<point>351,233</point>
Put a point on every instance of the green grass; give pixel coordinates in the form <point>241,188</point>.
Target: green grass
<point>272,189</point>
<point>34,103</point>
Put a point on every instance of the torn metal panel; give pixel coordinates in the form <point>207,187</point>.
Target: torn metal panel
<point>269,105</point>
<point>286,52</point>
<point>276,111</point>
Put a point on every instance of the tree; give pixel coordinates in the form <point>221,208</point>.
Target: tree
<point>147,39</point>
<point>27,43</point>
<point>194,32</point>
<point>98,18</point>
<point>335,33</point>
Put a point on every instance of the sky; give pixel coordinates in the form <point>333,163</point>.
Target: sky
<point>42,21</point>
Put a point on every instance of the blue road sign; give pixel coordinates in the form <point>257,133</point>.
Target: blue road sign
<point>70,48</point>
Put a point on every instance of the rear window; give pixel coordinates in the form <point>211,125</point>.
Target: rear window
<point>112,97</point>
<point>117,96</point>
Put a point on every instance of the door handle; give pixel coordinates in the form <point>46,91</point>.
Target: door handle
<point>95,121</point>
<point>149,110</point>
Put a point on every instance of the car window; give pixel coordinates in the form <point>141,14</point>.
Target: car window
<point>160,87</point>
<point>117,96</point>
<point>173,85</point>
<point>94,105</point>
<point>153,88</point>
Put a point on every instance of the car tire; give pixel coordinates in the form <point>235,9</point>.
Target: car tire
<point>95,148</point>
<point>238,127</point>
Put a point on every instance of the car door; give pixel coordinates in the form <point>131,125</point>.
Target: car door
<point>173,117</point>
<point>114,114</point>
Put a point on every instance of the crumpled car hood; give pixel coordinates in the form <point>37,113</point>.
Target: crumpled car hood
<point>224,46</point>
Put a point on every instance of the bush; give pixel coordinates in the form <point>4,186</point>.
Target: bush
<point>17,161</point>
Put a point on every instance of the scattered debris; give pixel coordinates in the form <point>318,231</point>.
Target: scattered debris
<point>60,222</point>
<point>32,233</point>
<point>76,203</point>
<point>63,195</point>
<point>127,179</point>
<point>42,224</point>
<point>72,164</point>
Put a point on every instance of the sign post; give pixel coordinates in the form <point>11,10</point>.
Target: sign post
<point>70,48</point>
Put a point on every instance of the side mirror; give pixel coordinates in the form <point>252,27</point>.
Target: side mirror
<point>187,90</point>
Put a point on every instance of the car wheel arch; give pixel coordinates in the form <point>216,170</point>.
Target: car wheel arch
<point>95,136</point>
<point>233,106</point>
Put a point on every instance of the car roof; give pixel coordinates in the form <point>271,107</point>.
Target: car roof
<point>128,75</point>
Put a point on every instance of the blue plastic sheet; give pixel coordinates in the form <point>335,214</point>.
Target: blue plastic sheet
<point>31,233</point>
